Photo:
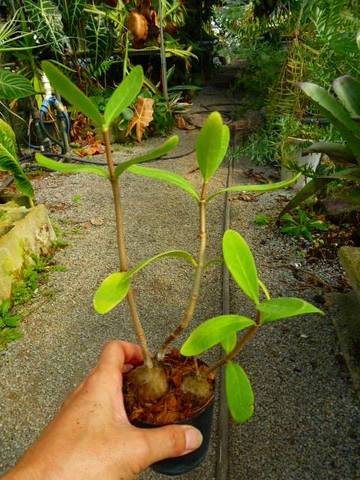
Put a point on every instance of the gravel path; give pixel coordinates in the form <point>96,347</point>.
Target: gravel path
<point>307,420</point>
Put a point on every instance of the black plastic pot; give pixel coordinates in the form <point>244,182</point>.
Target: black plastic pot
<point>186,463</point>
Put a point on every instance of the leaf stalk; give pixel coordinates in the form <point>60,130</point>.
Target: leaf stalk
<point>195,291</point>
<point>123,258</point>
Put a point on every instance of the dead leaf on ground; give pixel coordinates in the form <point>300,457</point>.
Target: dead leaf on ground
<point>259,177</point>
<point>143,115</point>
<point>245,197</point>
<point>92,149</point>
<point>183,124</point>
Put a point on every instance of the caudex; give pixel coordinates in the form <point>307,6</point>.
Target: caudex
<point>212,143</point>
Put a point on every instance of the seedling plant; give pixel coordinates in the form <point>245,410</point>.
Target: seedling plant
<point>151,382</point>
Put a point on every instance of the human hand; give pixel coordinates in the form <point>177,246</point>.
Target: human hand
<point>91,437</point>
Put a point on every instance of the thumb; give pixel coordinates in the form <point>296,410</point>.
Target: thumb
<point>170,441</point>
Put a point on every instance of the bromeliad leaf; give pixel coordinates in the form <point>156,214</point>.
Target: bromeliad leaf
<point>70,167</point>
<point>257,188</point>
<point>72,93</point>
<point>14,85</point>
<point>347,89</point>
<point>111,292</point>
<point>285,307</point>
<point>239,394</point>
<point>165,176</point>
<point>240,263</point>
<point>211,145</point>
<point>166,147</point>
<point>337,115</point>
<point>214,331</point>
<point>124,95</point>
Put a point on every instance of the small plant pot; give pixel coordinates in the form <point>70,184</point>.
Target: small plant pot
<point>180,465</point>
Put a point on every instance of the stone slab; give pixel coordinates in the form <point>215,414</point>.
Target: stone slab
<point>31,235</point>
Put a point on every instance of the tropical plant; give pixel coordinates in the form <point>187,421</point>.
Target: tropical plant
<point>301,225</point>
<point>14,86</point>
<point>9,161</point>
<point>343,112</point>
<point>149,381</point>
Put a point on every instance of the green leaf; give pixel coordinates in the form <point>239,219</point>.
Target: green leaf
<point>72,93</point>
<point>124,95</point>
<point>44,19</point>
<point>166,147</point>
<point>229,342</point>
<point>257,188</point>
<point>285,307</point>
<point>70,167</point>
<point>8,140</point>
<point>337,115</point>
<point>211,145</point>
<point>116,286</point>
<point>336,151</point>
<point>12,320</point>
<point>347,89</point>
<point>111,292</point>
<point>315,186</point>
<point>171,253</point>
<point>264,289</point>
<point>213,331</point>
<point>240,263</point>
<point>165,176</point>
<point>9,162</point>
<point>239,394</point>
<point>14,85</point>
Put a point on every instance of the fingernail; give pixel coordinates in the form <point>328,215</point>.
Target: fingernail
<point>193,438</point>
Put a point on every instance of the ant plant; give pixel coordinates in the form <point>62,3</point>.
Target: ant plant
<point>151,381</point>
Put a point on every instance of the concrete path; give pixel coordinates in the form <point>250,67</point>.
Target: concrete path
<point>307,419</point>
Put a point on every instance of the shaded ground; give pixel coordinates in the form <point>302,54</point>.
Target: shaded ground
<point>307,420</point>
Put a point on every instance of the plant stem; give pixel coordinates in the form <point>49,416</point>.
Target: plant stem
<point>189,312</point>
<point>238,347</point>
<point>123,259</point>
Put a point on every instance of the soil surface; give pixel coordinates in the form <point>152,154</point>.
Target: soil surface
<point>307,420</point>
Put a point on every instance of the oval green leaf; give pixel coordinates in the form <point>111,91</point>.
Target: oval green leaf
<point>213,331</point>
<point>239,394</point>
<point>72,93</point>
<point>241,264</point>
<point>166,177</point>
<point>111,292</point>
<point>165,148</point>
<point>124,95</point>
<point>14,85</point>
<point>229,343</point>
<point>257,188</point>
<point>211,145</point>
<point>70,167</point>
<point>285,307</point>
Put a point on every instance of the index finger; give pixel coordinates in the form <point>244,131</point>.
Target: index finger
<point>117,353</point>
